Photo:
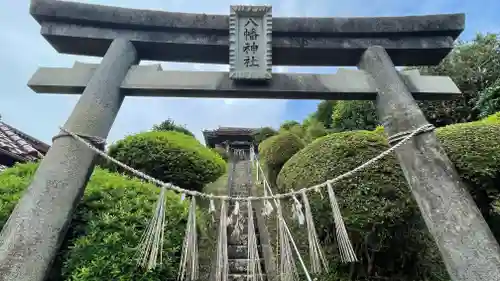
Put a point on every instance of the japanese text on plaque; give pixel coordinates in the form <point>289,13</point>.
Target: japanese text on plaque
<point>251,45</point>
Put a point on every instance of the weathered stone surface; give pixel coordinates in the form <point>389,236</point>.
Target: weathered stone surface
<point>469,249</point>
<point>31,237</point>
<point>152,81</point>
<point>86,29</point>
<point>241,265</point>
<point>241,65</point>
<point>240,251</point>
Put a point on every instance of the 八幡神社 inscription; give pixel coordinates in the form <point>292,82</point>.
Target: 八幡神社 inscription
<point>250,43</point>
<point>251,46</point>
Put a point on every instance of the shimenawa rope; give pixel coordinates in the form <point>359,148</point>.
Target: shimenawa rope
<point>409,135</point>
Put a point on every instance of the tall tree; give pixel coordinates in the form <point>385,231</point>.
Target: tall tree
<point>489,100</point>
<point>474,66</point>
<point>288,124</point>
<point>324,113</point>
<point>263,133</point>
<point>354,115</point>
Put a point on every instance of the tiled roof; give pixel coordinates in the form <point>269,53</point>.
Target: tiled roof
<point>19,145</point>
<point>230,131</point>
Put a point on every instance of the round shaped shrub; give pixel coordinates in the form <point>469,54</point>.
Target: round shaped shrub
<point>276,150</point>
<point>493,118</point>
<point>222,152</point>
<point>106,227</point>
<point>378,210</point>
<point>367,197</point>
<point>170,157</point>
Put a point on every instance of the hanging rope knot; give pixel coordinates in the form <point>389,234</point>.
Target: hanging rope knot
<point>397,138</point>
<point>318,190</point>
<point>95,141</point>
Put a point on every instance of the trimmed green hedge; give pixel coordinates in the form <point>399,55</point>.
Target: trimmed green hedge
<point>171,157</point>
<point>493,118</point>
<point>106,227</point>
<point>222,152</point>
<point>377,206</point>
<point>276,150</point>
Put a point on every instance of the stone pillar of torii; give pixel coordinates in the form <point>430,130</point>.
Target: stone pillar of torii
<point>251,41</point>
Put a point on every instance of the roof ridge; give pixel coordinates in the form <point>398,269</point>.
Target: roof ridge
<point>17,142</point>
<point>25,135</point>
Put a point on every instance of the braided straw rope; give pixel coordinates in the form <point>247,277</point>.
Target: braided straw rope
<point>399,136</point>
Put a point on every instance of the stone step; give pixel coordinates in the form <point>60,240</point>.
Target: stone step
<point>243,277</point>
<point>241,265</point>
<point>241,239</point>
<point>240,251</point>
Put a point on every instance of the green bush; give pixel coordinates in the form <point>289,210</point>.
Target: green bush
<point>276,150</point>
<point>222,152</point>
<point>315,130</point>
<point>171,157</point>
<point>379,212</point>
<point>169,125</point>
<point>106,227</point>
<point>493,118</point>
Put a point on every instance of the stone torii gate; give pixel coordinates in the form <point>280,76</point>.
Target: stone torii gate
<point>31,237</point>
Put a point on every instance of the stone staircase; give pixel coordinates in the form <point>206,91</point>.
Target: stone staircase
<point>240,185</point>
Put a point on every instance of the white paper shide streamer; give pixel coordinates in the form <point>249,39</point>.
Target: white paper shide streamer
<point>151,244</point>
<point>317,258</point>
<point>297,211</point>
<point>346,250</point>
<point>189,269</point>
<point>254,270</point>
<point>236,220</point>
<point>287,267</point>
<point>222,259</point>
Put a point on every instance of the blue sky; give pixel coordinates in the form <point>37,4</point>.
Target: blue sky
<point>23,50</point>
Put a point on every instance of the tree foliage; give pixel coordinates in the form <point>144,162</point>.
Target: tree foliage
<point>263,133</point>
<point>354,115</point>
<point>315,130</point>
<point>170,157</point>
<point>474,67</point>
<point>285,126</point>
<point>489,100</point>
<point>169,125</point>
<point>323,113</point>
<point>106,227</point>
